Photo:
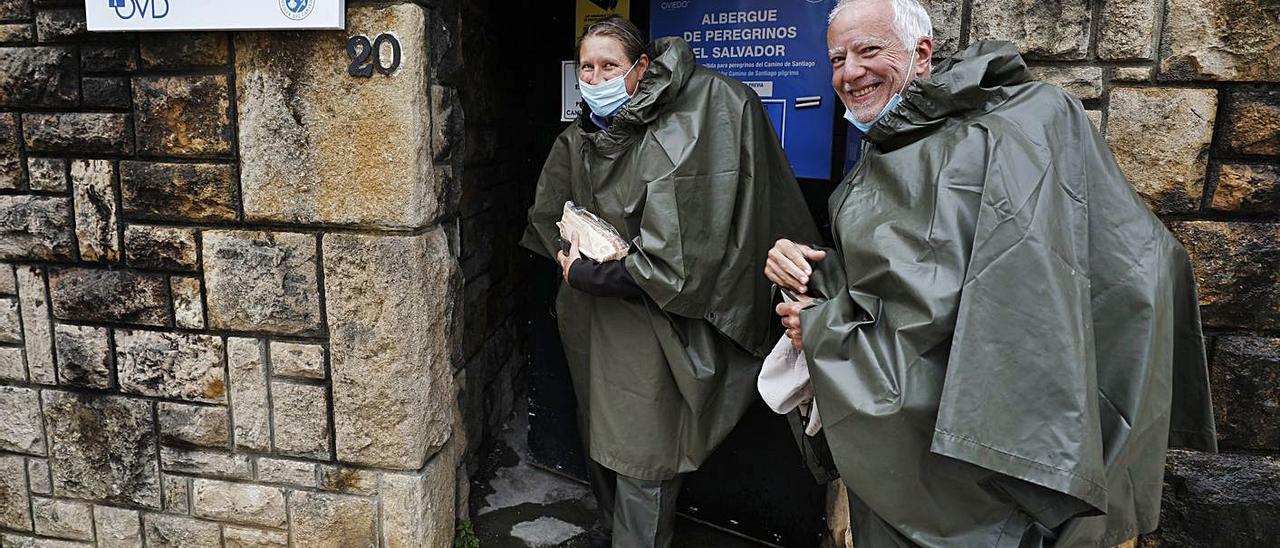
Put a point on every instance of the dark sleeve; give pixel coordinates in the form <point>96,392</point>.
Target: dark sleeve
<point>607,279</point>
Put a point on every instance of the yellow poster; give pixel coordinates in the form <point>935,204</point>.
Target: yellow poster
<point>590,11</point>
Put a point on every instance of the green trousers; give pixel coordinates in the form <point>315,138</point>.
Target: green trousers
<point>641,513</point>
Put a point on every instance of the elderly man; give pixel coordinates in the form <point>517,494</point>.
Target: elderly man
<point>1005,340</point>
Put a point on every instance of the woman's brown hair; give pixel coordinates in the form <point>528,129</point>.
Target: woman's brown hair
<point>620,29</point>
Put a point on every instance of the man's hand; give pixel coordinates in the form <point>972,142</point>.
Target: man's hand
<point>788,265</point>
<point>790,313</point>
<point>566,259</point>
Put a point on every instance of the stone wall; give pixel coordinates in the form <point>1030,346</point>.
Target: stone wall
<point>499,167</point>
<point>1187,93</point>
<point>229,289</point>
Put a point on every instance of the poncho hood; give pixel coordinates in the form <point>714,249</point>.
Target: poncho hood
<point>968,83</point>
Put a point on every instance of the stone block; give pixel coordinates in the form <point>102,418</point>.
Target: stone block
<point>11,10</point>
<point>188,306</point>
<point>300,419</point>
<point>168,531</point>
<point>205,463</point>
<point>108,58</point>
<point>55,69</point>
<point>1219,500</point>
<point>418,508</point>
<point>1041,29</point>
<point>1161,139</point>
<point>245,537</point>
<point>1237,266</point>
<point>13,365</point>
<point>1128,30</point>
<point>1246,393</point>
<point>10,321</point>
<point>183,49</point>
<point>118,527</point>
<point>22,541</point>
<point>187,116</point>
<point>60,24</point>
<point>1220,40</point>
<point>178,192</point>
<point>95,207</point>
<point>36,228</point>
<point>1247,188</point>
<point>193,424</point>
<point>102,448</point>
<point>83,294</point>
<point>358,148</point>
<point>320,520</point>
<point>77,133</point>
<point>238,503</point>
<point>15,502</point>
<point>945,16</point>
<point>8,281</point>
<point>392,401</point>
<point>38,475</point>
<point>21,431</point>
<point>62,518</point>
<point>1085,83</point>
<point>84,355</point>
<point>161,247</point>
<point>171,365</point>
<point>1253,122</point>
<point>345,479</point>
<point>47,174</point>
<point>262,281</point>
<point>11,175</point>
<point>177,494</point>
<point>251,412</point>
<point>297,360</point>
<point>292,472</point>
<point>11,33</point>
<point>1133,74</point>
<point>105,92</point>
<point>37,328</point>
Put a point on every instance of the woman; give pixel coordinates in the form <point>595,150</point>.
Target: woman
<point>663,345</point>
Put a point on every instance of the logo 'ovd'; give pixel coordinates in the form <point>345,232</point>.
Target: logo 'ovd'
<point>297,9</point>
<point>142,9</point>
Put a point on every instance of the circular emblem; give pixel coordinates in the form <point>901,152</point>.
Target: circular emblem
<point>297,9</point>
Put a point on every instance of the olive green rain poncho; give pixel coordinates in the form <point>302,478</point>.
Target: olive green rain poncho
<point>1008,339</point>
<point>691,172</point>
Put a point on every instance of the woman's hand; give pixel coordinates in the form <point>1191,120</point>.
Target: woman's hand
<point>788,265</point>
<point>566,259</point>
<point>790,313</point>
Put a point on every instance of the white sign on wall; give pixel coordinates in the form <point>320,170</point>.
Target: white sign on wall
<point>569,94</point>
<point>135,15</point>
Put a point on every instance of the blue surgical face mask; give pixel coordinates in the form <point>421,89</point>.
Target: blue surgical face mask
<point>889,106</point>
<point>607,97</point>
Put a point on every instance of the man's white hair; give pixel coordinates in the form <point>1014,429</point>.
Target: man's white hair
<point>910,20</point>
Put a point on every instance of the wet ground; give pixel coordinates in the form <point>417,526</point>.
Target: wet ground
<point>515,504</point>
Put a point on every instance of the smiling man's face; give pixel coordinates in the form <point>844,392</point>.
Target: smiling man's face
<point>868,62</point>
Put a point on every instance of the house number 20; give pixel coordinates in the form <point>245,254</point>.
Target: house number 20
<point>367,57</point>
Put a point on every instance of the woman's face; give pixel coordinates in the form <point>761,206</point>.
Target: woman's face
<point>603,58</point>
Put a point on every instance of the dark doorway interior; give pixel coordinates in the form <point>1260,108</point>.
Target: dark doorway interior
<point>756,484</point>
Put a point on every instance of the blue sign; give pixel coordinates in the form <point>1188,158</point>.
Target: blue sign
<point>777,48</point>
